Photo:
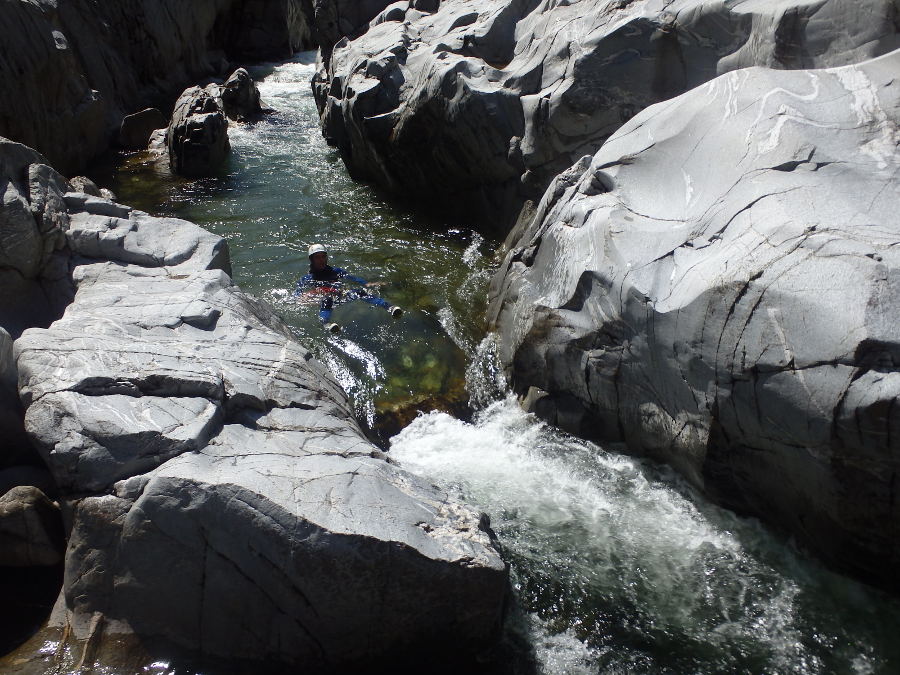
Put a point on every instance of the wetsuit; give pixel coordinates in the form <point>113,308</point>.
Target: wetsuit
<point>328,280</point>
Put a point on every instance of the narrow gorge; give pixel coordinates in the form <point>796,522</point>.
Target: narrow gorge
<point>638,415</point>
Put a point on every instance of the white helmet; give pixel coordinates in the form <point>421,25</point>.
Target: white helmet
<point>317,248</point>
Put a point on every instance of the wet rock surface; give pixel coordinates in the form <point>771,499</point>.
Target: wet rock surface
<point>223,498</point>
<point>717,287</point>
<point>483,103</point>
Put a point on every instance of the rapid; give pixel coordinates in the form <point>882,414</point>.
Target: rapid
<point>618,565</point>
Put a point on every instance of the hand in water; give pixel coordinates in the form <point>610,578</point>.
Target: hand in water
<point>375,284</point>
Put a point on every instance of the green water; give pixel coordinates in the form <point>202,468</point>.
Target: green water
<point>284,188</point>
<point>618,567</point>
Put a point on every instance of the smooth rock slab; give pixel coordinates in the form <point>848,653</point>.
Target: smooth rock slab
<point>340,558</point>
<point>480,104</point>
<point>719,288</point>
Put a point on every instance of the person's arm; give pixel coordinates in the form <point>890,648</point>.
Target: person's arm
<point>344,274</point>
<point>303,285</point>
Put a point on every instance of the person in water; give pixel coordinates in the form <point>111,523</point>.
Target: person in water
<point>326,281</point>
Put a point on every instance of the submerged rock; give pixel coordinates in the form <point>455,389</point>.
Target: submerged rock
<point>480,104</point>
<point>718,288</point>
<point>223,498</point>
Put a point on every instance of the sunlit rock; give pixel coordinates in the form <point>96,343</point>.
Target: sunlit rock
<point>223,498</point>
<point>718,287</point>
<point>479,105</point>
<point>336,19</point>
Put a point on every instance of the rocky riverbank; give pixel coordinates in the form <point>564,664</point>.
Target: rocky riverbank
<point>712,286</point>
<point>219,495</point>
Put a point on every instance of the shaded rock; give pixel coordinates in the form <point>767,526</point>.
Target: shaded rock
<point>31,531</point>
<point>271,29</point>
<point>15,447</point>
<point>98,62</point>
<point>30,475</point>
<point>33,219</point>
<point>718,287</point>
<point>136,129</point>
<point>197,137</point>
<point>240,97</point>
<point>505,94</point>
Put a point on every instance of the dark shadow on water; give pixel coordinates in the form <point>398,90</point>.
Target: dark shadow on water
<point>28,595</point>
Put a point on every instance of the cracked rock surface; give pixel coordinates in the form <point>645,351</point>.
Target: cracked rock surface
<point>491,99</point>
<point>221,495</point>
<point>718,288</point>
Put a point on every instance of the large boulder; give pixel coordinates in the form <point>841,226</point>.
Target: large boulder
<point>78,67</point>
<point>197,137</point>
<point>33,219</point>
<point>223,497</point>
<point>719,287</point>
<point>240,97</point>
<point>478,105</point>
<point>31,530</point>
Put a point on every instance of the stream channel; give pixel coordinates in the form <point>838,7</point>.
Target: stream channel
<point>618,566</point>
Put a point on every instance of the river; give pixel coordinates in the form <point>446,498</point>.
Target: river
<point>618,565</point>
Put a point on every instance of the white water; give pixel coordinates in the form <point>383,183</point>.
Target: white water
<point>620,568</point>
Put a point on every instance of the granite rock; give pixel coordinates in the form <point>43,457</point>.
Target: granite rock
<point>240,97</point>
<point>78,67</point>
<point>481,104</point>
<point>717,287</point>
<point>197,137</point>
<point>136,129</point>
<point>223,497</point>
<point>31,531</point>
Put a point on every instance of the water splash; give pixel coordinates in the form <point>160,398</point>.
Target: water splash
<point>624,568</point>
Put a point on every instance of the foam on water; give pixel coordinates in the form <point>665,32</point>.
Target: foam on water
<point>619,564</point>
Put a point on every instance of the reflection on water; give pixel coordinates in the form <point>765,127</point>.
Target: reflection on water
<point>618,567</point>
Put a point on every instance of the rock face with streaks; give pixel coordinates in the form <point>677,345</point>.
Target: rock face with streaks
<point>481,104</point>
<point>78,67</point>
<point>719,286</point>
<point>223,498</point>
